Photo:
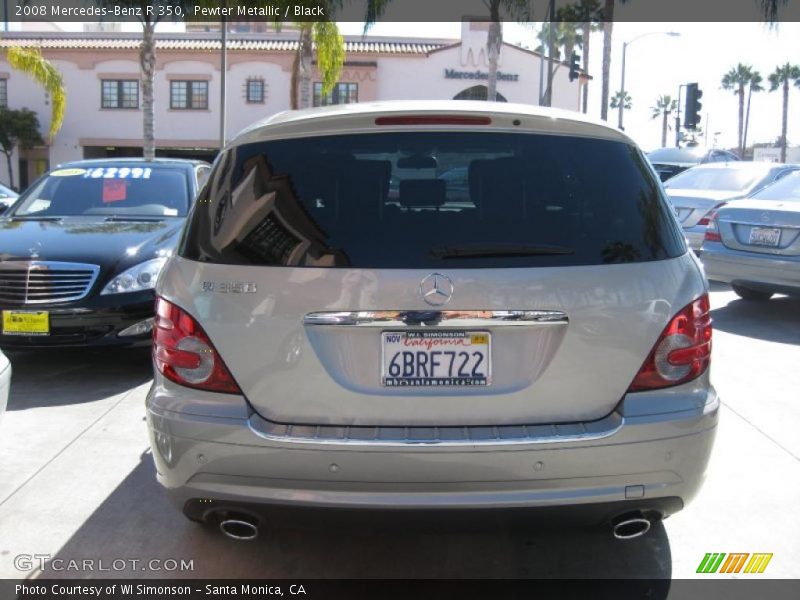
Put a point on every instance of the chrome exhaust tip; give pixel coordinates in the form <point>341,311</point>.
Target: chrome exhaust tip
<point>241,529</point>
<point>630,526</point>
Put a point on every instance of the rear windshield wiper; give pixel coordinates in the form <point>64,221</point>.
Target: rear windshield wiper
<point>498,250</point>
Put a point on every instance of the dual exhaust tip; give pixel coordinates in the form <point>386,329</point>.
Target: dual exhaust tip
<point>244,528</point>
<point>631,525</point>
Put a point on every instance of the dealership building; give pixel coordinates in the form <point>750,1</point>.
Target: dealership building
<point>101,73</point>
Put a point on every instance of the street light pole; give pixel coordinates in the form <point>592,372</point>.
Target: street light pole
<point>622,87</point>
<point>622,79</point>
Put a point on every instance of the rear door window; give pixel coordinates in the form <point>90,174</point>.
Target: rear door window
<point>432,200</point>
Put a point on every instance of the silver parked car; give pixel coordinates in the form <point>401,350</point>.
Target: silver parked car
<point>668,162</point>
<point>754,244</point>
<point>695,193</point>
<point>545,344</point>
<point>5,382</point>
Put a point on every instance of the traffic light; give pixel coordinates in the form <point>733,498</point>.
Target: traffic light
<point>574,67</point>
<point>693,106</point>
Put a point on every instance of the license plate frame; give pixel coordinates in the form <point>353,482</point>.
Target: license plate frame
<point>15,322</point>
<point>765,236</point>
<point>478,371</point>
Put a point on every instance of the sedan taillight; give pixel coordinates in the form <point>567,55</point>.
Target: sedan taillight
<point>709,216</point>
<point>183,353</point>
<point>682,352</point>
<point>712,231</point>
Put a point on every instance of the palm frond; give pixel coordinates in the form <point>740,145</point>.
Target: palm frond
<point>330,53</point>
<point>31,62</point>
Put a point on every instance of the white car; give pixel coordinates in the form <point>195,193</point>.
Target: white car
<point>5,382</point>
<point>534,334</point>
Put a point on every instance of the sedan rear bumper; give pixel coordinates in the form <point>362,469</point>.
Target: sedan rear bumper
<point>757,271</point>
<point>229,460</point>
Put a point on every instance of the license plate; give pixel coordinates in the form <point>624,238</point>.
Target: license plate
<point>26,322</point>
<point>436,358</point>
<point>765,236</point>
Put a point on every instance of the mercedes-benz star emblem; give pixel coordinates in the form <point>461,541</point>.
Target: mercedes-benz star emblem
<point>436,289</point>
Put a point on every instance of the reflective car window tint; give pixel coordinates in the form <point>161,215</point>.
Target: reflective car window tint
<point>432,200</point>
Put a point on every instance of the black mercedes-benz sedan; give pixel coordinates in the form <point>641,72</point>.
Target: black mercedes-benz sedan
<point>81,249</point>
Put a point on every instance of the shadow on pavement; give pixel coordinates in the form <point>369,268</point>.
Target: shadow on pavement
<point>137,522</point>
<point>775,320</point>
<point>60,377</point>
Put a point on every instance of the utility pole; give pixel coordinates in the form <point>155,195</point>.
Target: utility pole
<point>223,65</point>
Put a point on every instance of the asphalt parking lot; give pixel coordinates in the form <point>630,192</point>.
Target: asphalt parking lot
<point>77,482</point>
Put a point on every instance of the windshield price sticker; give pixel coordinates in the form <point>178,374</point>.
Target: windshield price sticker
<point>118,173</point>
<point>68,172</point>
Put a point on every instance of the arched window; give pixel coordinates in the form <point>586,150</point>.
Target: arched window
<point>477,92</point>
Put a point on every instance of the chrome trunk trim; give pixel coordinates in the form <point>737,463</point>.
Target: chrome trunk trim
<point>437,318</point>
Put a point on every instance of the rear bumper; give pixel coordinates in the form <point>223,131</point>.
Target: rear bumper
<point>751,270</point>
<point>228,461</point>
<point>93,322</point>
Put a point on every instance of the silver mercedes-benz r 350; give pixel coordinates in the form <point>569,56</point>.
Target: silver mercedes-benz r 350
<point>432,305</point>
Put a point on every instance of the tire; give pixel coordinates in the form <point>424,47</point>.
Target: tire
<point>749,294</point>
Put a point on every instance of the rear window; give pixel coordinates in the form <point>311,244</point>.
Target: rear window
<point>724,180</point>
<point>674,155</point>
<point>112,190</point>
<point>786,188</point>
<point>432,200</point>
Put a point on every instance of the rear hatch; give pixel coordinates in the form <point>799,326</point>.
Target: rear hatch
<point>533,299</point>
<point>763,226</point>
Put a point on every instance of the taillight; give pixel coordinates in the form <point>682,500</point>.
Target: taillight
<point>682,352</point>
<point>712,231</point>
<point>183,353</point>
<point>709,216</point>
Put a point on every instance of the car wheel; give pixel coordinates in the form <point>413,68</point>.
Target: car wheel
<point>748,294</point>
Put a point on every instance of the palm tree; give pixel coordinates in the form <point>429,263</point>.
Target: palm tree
<point>517,9</point>
<point>588,13</point>
<point>665,105</point>
<point>736,80</point>
<point>782,77</point>
<point>566,36</point>
<point>31,62</point>
<point>755,86</point>
<point>616,98</point>
<point>608,30</point>
<point>330,58</point>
